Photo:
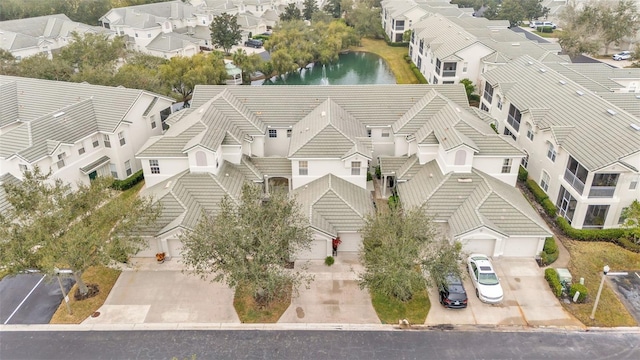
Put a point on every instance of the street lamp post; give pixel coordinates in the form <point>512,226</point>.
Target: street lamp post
<point>605,270</point>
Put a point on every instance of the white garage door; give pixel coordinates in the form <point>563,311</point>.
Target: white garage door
<point>175,247</point>
<point>318,251</point>
<point>479,246</point>
<point>526,247</point>
<point>350,242</point>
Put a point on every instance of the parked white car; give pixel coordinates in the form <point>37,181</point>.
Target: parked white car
<point>484,279</point>
<point>624,55</point>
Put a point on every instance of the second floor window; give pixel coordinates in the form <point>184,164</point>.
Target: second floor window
<point>61,158</point>
<point>544,181</point>
<point>289,131</point>
<point>529,132</point>
<point>303,168</point>
<point>81,151</point>
<point>121,137</point>
<point>107,141</point>
<point>488,92</point>
<point>273,133</point>
<point>355,168</point>
<point>551,152</point>
<point>95,141</point>
<point>514,117</point>
<point>127,167</point>
<point>155,166</point>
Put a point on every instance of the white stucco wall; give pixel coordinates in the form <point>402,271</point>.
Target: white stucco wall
<point>168,167</point>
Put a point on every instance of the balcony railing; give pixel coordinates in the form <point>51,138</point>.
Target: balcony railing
<point>602,191</point>
<point>574,181</point>
<point>399,27</point>
<point>448,73</point>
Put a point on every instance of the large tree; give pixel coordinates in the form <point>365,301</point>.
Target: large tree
<point>182,74</point>
<point>631,223</point>
<point>225,31</point>
<point>333,7</point>
<point>247,63</point>
<point>310,7</point>
<point>291,12</point>
<point>93,50</point>
<point>249,243</point>
<point>51,225</point>
<point>515,10</point>
<point>618,22</point>
<point>398,245</point>
<point>365,19</point>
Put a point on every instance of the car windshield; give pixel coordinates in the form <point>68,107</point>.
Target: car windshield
<point>488,279</point>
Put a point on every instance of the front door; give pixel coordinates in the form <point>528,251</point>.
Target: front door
<point>93,175</point>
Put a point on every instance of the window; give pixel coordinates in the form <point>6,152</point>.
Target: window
<point>95,141</point>
<point>464,67</point>
<point>149,35</point>
<point>23,168</point>
<point>303,168</point>
<point>509,133</point>
<point>551,152</point>
<point>544,182</point>
<point>136,34</point>
<point>623,215</point>
<point>576,174</point>
<point>289,131</point>
<point>121,137</point>
<point>488,92</point>
<point>499,101</point>
<point>595,216</point>
<point>355,168</point>
<point>449,69</point>
<point>153,122</point>
<point>435,80</point>
<point>127,167</point>
<point>566,204</point>
<point>368,132</point>
<point>385,133</point>
<point>114,170</point>
<point>107,142</point>
<point>633,184</point>
<point>525,161</point>
<point>61,158</point>
<point>506,166</point>
<point>514,118</point>
<point>273,133</point>
<point>484,107</point>
<point>155,166</point>
<point>81,151</point>
<point>438,65</point>
<point>529,132</point>
<point>419,63</point>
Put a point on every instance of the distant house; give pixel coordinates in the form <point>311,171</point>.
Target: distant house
<point>43,34</point>
<point>583,150</point>
<point>78,131</point>
<point>321,143</point>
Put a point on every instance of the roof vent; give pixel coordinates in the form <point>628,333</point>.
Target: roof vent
<point>518,44</point>
<point>465,180</point>
<point>562,82</point>
<point>635,127</point>
<point>323,114</point>
<point>227,174</point>
<point>542,70</point>
<point>56,115</point>
<point>168,184</point>
<point>611,112</point>
<point>637,96</point>
<point>579,92</point>
<point>530,62</point>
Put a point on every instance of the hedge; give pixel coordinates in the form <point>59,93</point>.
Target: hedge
<point>393,201</point>
<point>493,126</point>
<point>551,275</point>
<point>418,74</point>
<point>523,174</point>
<point>541,197</point>
<point>395,44</point>
<point>550,251</point>
<point>129,182</point>
<point>544,29</point>
<point>589,234</point>
<point>628,244</point>
<point>582,289</point>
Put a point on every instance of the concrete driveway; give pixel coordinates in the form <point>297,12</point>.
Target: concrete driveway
<point>333,297</point>
<point>528,301</point>
<point>161,293</point>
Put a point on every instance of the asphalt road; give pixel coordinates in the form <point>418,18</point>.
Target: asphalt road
<point>30,298</point>
<point>369,345</point>
<point>628,290</point>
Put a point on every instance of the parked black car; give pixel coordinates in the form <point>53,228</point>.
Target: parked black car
<point>452,293</point>
<point>254,43</point>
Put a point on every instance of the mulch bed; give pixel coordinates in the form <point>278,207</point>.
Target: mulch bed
<point>94,290</point>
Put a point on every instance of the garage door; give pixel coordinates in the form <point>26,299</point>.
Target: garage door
<point>318,251</point>
<point>480,246</point>
<point>175,247</point>
<point>350,242</point>
<point>526,247</point>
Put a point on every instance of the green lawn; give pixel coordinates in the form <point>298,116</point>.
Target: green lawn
<point>249,311</point>
<point>394,56</point>
<point>390,309</point>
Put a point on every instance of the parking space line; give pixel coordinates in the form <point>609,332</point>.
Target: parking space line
<point>23,300</point>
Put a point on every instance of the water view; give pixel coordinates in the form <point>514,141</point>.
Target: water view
<point>353,68</point>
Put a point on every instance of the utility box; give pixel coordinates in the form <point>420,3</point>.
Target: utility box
<point>564,275</point>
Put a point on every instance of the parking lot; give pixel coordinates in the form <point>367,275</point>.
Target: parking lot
<point>30,298</point>
<point>528,300</point>
<point>628,290</point>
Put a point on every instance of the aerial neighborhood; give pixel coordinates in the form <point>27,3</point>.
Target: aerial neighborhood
<point>502,153</point>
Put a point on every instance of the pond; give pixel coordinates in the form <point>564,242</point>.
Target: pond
<point>353,68</point>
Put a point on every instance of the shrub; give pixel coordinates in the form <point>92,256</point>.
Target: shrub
<point>628,244</point>
<point>549,207</point>
<point>537,191</point>
<point>551,275</point>
<point>612,235</point>
<point>393,201</point>
<point>418,75</point>
<point>329,260</point>
<point>395,44</point>
<point>407,58</point>
<point>544,29</point>
<point>128,182</point>
<point>578,288</point>
<point>523,174</point>
<point>550,251</point>
<point>369,177</point>
<point>378,172</point>
<point>493,126</point>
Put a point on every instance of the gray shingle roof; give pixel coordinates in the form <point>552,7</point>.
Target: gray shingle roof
<point>334,205</point>
<point>468,201</point>
<point>170,42</point>
<point>597,77</point>
<point>587,130</point>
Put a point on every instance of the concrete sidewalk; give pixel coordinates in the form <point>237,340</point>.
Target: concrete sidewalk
<point>333,297</point>
<point>160,293</point>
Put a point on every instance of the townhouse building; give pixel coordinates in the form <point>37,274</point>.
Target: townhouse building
<point>78,131</point>
<point>319,145</point>
<point>42,34</point>
<point>582,150</point>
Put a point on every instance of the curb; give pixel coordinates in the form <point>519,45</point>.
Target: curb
<point>311,327</point>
